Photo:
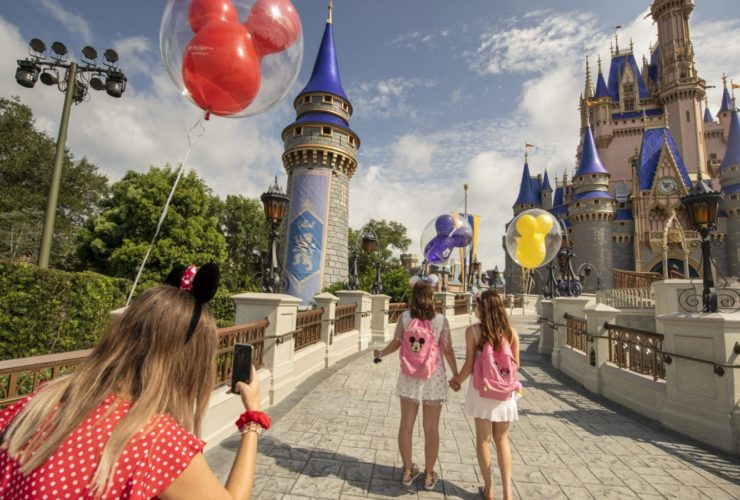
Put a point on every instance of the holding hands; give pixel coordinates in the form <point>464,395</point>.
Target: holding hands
<point>455,384</point>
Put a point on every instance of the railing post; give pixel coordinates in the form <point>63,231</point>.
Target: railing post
<point>562,305</point>
<point>546,329</point>
<point>448,304</point>
<point>667,297</point>
<point>362,313</point>
<point>328,302</point>
<point>597,353</point>
<point>379,323</point>
<point>281,311</point>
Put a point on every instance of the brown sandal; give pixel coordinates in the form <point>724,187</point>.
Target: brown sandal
<point>430,486</point>
<point>413,474</point>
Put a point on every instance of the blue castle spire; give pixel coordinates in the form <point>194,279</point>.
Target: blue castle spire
<point>732,154</point>
<point>527,192</point>
<point>726,101</point>
<point>546,183</point>
<point>601,89</point>
<point>590,161</point>
<point>708,115</point>
<point>325,75</point>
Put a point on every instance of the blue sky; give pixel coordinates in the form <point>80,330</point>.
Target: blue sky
<point>444,93</point>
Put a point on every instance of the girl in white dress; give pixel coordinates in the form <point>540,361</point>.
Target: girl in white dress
<point>492,417</point>
<point>431,393</point>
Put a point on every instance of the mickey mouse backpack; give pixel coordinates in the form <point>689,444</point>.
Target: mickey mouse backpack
<point>419,349</point>
<point>494,373</point>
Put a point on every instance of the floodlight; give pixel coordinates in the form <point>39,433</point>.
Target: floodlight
<point>111,56</point>
<point>37,45</point>
<point>27,73</point>
<point>59,49</point>
<point>90,53</point>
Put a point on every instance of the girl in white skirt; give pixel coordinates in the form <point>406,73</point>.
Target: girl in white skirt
<point>492,416</point>
<point>430,392</point>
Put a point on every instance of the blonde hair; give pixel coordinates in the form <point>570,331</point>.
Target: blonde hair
<point>143,358</point>
<point>421,305</point>
<point>494,323</point>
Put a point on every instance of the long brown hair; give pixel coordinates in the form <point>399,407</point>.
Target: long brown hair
<point>421,305</point>
<point>143,358</point>
<point>494,323</point>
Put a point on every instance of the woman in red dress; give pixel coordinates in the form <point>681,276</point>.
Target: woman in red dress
<point>124,424</point>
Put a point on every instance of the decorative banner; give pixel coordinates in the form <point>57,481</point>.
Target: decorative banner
<point>304,261</point>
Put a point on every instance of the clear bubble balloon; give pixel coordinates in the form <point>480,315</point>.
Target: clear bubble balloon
<point>232,58</point>
<point>533,238</point>
<point>442,235</point>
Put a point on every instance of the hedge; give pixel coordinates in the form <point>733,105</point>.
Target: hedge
<point>46,311</point>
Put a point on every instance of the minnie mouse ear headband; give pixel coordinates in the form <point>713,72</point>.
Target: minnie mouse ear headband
<point>432,280</point>
<point>202,283</point>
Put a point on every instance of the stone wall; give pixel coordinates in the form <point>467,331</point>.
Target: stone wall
<point>732,244</point>
<point>336,262</point>
<point>593,243</point>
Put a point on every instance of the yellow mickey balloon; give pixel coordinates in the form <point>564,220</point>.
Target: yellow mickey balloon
<point>526,225</point>
<point>544,224</point>
<point>531,251</point>
<point>533,238</point>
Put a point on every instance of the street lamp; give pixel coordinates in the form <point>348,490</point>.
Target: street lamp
<point>367,240</point>
<point>496,278</point>
<point>474,278</point>
<point>585,270</point>
<point>74,84</point>
<point>275,203</point>
<point>568,286</point>
<point>702,205</point>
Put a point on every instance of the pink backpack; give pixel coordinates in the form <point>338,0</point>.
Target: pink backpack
<point>419,349</point>
<point>494,373</point>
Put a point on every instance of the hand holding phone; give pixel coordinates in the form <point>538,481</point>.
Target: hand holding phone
<point>241,370</point>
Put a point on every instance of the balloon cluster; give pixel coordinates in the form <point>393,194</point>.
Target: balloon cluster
<point>228,67</point>
<point>533,238</point>
<point>441,235</point>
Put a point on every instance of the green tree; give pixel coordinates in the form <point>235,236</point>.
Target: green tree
<point>26,162</point>
<point>392,238</point>
<point>115,242</point>
<point>242,223</point>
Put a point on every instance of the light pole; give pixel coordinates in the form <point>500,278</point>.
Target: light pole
<point>275,203</point>
<point>367,240</point>
<point>568,286</point>
<point>702,205</point>
<point>74,84</point>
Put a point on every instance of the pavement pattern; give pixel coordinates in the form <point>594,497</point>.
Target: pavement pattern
<point>335,438</point>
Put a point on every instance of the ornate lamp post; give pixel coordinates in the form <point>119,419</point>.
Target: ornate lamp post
<point>702,205</point>
<point>367,240</point>
<point>568,286</point>
<point>475,273</point>
<point>496,277</point>
<point>74,83</point>
<point>276,206</point>
<point>585,270</point>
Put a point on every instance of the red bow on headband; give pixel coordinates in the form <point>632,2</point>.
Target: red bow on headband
<point>186,282</point>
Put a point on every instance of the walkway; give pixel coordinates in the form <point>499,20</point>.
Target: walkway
<point>336,438</point>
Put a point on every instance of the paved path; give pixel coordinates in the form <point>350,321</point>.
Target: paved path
<point>335,437</point>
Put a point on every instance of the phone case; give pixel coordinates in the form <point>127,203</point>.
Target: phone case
<point>242,367</point>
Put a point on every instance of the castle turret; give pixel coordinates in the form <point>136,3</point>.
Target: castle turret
<point>529,192</point>
<point>591,212</point>
<point>708,118</point>
<point>729,174</point>
<point>546,193</point>
<point>680,88</point>
<point>726,108</point>
<point>601,115</point>
<point>320,159</point>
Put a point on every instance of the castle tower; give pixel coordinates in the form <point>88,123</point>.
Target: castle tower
<point>726,109</point>
<point>546,193</point>
<point>591,212</point>
<point>729,174</point>
<point>600,115</point>
<point>320,159</point>
<point>680,89</point>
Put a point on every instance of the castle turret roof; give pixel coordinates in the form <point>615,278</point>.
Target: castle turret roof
<point>528,194</point>
<point>619,63</point>
<point>732,153</point>
<point>546,183</point>
<point>652,144</point>
<point>325,75</point>
<point>558,198</point>
<point>623,214</point>
<point>590,161</point>
<point>601,89</point>
<point>726,101</point>
<point>708,118</point>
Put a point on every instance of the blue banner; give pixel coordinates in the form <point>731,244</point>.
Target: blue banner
<point>305,239</point>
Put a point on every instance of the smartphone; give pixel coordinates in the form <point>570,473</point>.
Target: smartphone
<point>241,370</point>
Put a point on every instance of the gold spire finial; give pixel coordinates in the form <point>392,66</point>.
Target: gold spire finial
<point>331,8</point>
<point>724,79</point>
<point>526,150</point>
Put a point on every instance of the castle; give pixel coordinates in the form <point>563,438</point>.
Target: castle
<point>644,142</point>
<point>320,159</point>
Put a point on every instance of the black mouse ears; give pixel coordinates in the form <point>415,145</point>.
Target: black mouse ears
<point>202,283</point>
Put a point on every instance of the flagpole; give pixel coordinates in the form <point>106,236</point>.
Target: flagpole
<point>464,267</point>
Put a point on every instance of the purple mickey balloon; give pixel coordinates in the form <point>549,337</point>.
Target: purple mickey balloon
<point>444,225</point>
<point>462,236</point>
<point>438,250</point>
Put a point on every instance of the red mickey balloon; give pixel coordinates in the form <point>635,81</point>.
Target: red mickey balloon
<point>221,68</point>
<point>274,25</point>
<point>202,12</point>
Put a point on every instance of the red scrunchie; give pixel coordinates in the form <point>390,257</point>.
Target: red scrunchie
<point>261,418</point>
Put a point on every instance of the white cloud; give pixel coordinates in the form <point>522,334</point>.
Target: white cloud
<point>414,153</point>
<point>717,46</point>
<point>388,98</point>
<point>74,23</point>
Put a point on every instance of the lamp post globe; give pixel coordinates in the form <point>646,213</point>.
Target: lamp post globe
<point>275,204</point>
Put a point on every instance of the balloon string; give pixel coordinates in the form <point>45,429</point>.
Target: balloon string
<point>197,125</point>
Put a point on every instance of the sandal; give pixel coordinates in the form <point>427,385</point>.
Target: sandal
<point>482,492</point>
<point>413,474</point>
<point>429,486</point>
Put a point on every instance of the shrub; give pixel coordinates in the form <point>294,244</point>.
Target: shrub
<point>46,311</point>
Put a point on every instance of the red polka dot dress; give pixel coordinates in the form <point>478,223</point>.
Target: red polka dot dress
<point>150,462</point>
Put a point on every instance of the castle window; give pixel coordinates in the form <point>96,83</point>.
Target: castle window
<point>628,97</point>
<point>713,156</point>
<point>621,224</point>
<point>345,107</point>
<point>596,202</point>
<point>688,117</point>
<point>327,98</point>
<point>578,204</point>
<point>307,99</point>
<point>352,140</point>
<point>298,131</point>
<point>326,130</point>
